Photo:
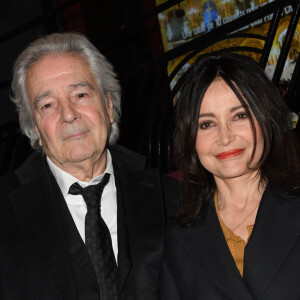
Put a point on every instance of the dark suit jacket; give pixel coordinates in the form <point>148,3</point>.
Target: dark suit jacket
<point>198,264</point>
<point>41,253</point>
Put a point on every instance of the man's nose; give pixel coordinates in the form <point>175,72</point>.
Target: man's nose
<point>226,136</point>
<point>69,111</point>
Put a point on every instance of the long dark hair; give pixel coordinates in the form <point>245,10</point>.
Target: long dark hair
<point>279,163</point>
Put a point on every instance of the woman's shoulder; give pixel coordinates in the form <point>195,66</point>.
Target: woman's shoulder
<point>278,205</point>
<point>274,192</point>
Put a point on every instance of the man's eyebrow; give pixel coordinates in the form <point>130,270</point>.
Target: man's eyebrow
<point>70,87</point>
<point>81,84</point>
<point>40,97</point>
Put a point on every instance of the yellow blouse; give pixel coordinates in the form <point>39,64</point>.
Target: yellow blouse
<point>235,244</point>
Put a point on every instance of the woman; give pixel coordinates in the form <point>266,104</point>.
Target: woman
<point>238,234</point>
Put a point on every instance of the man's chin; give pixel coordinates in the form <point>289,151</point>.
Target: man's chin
<point>79,157</point>
<point>71,157</point>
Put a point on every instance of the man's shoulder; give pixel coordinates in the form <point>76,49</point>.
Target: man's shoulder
<point>28,170</point>
<point>127,158</point>
<point>173,189</point>
<point>8,183</point>
<point>32,167</point>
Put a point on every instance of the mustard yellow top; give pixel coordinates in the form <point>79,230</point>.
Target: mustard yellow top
<point>235,244</point>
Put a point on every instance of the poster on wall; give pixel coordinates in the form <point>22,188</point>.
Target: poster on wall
<point>276,49</point>
<point>192,18</point>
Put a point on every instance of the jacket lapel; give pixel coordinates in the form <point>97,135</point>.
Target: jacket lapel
<point>124,163</point>
<point>208,247</point>
<point>35,208</point>
<point>124,260</point>
<point>276,229</point>
<point>141,223</point>
<point>146,223</point>
<point>83,271</point>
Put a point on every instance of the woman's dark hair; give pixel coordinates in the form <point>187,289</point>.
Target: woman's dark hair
<point>279,163</point>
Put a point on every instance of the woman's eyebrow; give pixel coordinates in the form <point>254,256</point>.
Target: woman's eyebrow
<point>233,109</point>
<point>206,115</point>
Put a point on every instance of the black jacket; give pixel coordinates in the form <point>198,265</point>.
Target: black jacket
<point>198,264</point>
<point>41,253</point>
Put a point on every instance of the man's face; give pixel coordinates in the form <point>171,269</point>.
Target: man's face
<point>71,117</point>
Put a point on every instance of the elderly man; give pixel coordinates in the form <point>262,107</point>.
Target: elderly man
<point>81,218</point>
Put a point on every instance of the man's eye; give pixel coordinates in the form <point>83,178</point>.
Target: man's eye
<point>205,125</point>
<point>81,95</point>
<point>46,106</point>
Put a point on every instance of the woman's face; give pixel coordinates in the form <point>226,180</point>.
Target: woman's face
<point>225,141</point>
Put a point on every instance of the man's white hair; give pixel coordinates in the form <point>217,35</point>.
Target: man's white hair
<point>56,44</point>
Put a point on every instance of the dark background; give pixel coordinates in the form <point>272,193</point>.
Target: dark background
<point>119,30</point>
<point>127,32</point>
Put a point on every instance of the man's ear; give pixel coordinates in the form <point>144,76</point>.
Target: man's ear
<point>38,133</point>
<point>110,108</point>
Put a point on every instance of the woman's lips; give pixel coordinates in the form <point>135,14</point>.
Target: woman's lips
<point>229,154</point>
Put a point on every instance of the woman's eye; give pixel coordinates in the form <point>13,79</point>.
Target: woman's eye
<point>241,116</point>
<point>205,125</point>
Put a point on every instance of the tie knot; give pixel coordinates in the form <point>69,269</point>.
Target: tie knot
<point>92,193</point>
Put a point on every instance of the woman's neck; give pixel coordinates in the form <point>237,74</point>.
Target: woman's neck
<point>238,202</point>
<point>238,193</point>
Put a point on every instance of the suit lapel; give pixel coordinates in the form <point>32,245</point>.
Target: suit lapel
<point>276,229</point>
<point>75,245</point>
<point>140,224</point>
<point>124,260</point>
<point>35,208</point>
<point>208,247</point>
<point>146,223</point>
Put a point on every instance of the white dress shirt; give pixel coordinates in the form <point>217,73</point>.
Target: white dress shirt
<point>76,203</point>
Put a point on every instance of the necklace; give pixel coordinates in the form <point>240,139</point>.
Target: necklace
<point>251,212</point>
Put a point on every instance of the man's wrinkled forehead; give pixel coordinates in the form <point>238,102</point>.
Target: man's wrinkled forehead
<point>70,88</point>
<point>72,70</point>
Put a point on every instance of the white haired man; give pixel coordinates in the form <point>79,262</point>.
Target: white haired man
<point>55,241</point>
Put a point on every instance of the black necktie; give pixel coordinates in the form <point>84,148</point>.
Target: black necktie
<point>98,240</point>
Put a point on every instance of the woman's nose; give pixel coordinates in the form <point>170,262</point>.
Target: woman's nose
<point>226,136</point>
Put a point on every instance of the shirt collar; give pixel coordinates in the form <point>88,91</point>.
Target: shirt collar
<point>65,180</point>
